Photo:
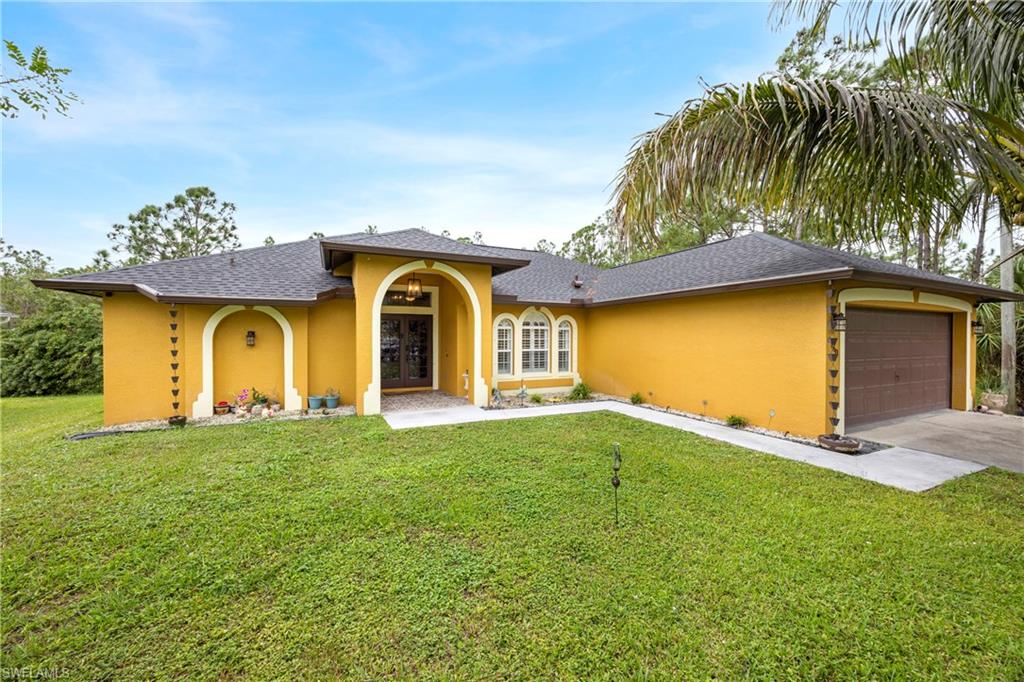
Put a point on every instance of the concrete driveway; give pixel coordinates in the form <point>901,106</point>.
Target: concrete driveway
<point>983,438</point>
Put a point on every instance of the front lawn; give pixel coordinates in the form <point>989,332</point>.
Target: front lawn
<point>341,548</point>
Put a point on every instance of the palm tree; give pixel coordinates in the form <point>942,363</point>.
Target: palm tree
<point>870,161</point>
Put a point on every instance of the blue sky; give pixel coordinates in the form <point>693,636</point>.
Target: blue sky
<point>508,119</point>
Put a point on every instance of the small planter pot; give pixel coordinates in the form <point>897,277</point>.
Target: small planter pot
<point>177,420</point>
<point>221,408</point>
<point>331,401</point>
<point>315,401</point>
<point>847,446</point>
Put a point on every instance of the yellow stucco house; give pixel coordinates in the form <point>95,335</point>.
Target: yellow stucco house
<point>783,333</point>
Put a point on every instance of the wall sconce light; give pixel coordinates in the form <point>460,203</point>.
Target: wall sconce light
<point>978,327</point>
<point>250,338</point>
<point>838,322</point>
<point>413,289</point>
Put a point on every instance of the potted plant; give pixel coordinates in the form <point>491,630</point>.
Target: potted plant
<point>222,407</point>
<point>331,397</point>
<point>315,401</point>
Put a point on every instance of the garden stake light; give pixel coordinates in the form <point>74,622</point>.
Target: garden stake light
<point>616,465</point>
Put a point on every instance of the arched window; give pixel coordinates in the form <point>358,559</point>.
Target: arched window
<point>535,343</point>
<point>564,346</point>
<point>503,339</point>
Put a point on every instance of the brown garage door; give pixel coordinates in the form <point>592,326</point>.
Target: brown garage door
<point>897,363</point>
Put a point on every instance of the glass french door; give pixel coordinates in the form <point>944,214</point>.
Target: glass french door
<point>406,353</point>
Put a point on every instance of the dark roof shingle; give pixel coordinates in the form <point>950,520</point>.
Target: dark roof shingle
<point>420,242</point>
<point>281,272</point>
<point>295,273</point>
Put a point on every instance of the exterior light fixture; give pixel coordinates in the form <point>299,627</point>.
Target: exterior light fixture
<point>978,327</point>
<point>250,338</point>
<point>838,322</point>
<point>413,289</point>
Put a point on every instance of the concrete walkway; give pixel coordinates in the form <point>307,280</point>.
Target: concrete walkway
<point>897,467</point>
<point>984,438</point>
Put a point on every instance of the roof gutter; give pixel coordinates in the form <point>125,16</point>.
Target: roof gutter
<point>740,285</point>
<point>984,293</point>
<point>93,288</point>
<point>504,264</point>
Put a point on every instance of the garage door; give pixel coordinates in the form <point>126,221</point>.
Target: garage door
<point>897,363</point>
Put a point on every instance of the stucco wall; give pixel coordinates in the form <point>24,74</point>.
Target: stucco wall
<point>744,353</point>
<point>332,352</point>
<point>455,348</point>
<point>136,359</point>
<point>237,366</point>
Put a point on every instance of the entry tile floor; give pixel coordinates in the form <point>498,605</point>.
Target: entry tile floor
<point>419,401</point>
<point>902,468</point>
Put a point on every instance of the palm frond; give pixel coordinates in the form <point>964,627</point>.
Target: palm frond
<point>866,159</point>
<point>976,46</point>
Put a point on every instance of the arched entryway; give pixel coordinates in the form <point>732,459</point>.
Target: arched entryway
<point>456,284</point>
<point>291,400</point>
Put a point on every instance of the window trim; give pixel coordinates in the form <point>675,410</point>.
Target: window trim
<point>508,322</point>
<point>567,328</point>
<point>535,321</point>
<point>517,346</point>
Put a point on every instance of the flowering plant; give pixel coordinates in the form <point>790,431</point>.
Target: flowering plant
<point>243,397</point>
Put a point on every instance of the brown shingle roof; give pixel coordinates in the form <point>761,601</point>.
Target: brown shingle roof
<point>417,243</point>
<point>282,273</point>
<point>295,274</point>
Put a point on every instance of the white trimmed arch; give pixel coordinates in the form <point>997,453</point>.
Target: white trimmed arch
<point>514,321</point>
<point>203,405</point>
<point>371,397</point>
<point>574,367</point>
<point>905,296</point>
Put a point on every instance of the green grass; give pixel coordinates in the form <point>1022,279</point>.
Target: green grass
<point>341,548</point>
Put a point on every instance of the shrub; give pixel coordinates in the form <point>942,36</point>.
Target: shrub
<point>636,398</point>
<point>736,421</point>
<point>536,398</point>
<point>580,392</point>
<point>57,351</point>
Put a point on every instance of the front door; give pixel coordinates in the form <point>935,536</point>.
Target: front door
<point>406,353</point>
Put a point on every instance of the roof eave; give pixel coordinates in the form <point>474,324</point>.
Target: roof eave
<point>984,294</point>
<point>498,264</point>
<point>727,287</point>
<point>93,288</point>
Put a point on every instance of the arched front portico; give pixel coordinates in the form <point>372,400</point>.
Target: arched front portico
<point>478,391</point>
<point>203,404</point>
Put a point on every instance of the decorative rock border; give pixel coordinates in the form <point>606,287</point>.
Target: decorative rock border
<point>216,420</point>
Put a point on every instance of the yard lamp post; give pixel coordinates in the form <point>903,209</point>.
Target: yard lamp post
<point>616,465</point>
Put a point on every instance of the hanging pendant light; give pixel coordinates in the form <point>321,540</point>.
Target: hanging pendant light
<point>413,289</point>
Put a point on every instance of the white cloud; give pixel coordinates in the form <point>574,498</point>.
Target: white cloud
<point>396,53</point>
<point>507,215</point>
